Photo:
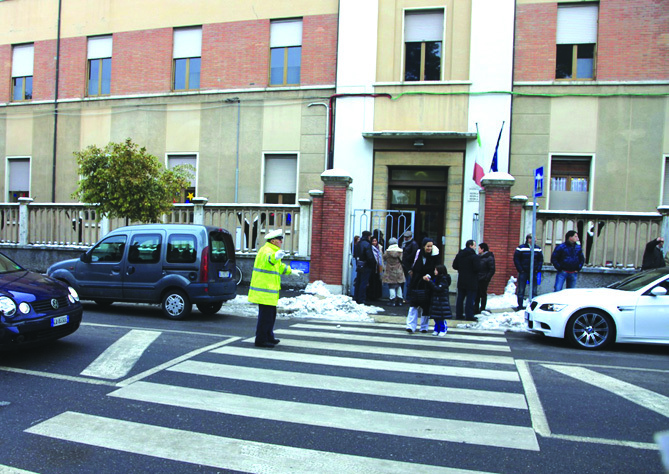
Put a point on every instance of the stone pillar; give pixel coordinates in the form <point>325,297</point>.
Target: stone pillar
<point>304,227</point>
<point>664,230</point>
<point>198,209</point>
<point>24,220</point>
<point>501,226</point>
<point>328,239</point>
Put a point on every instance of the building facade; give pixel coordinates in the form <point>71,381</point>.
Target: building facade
<point>226,89</point>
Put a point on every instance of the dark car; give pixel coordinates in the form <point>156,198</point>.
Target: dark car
<point>34,307</point>
<point>174,265</point>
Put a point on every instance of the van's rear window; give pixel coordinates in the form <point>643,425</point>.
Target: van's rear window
<point>219,251</point>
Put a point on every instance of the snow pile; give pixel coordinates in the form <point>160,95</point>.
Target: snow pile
<point>318,303</point>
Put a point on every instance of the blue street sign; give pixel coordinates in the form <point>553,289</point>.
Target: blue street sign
<point>539,182</point>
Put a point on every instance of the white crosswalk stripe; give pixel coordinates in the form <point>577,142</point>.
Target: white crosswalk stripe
<point>299,363</point>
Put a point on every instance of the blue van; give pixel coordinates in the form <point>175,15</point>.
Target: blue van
<point>174,265</point>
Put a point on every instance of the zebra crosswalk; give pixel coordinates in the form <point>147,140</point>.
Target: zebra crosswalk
<point>298,387</point>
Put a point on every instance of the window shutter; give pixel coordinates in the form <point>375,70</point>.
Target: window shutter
<point>22,60</point>
<point>285,33</point>
<point>177,160</point>
<point>577,24</point>
<point>100,47</point>
<point>423,26</point>
<point>19,174</point>
<point>187,43</point>
<point>281,174</point>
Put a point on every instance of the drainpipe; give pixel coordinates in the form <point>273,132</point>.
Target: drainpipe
<point>238,102</point>
<point>327,129</point>
<point>55,108</point>
<point>333,97</point>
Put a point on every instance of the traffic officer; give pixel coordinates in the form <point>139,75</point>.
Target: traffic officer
<point>265,286</point>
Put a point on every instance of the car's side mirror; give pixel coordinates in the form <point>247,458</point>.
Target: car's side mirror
<point>658,291</point>
<point>85,257</point>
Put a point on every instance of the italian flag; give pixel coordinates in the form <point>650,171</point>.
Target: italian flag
<point>478,169</point>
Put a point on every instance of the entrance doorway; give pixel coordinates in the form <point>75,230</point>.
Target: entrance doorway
<point>422,190</point>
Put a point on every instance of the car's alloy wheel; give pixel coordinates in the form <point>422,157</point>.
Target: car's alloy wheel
<point>176,304</point>
<point>591,329</point>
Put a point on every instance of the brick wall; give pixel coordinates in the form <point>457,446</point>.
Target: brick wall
<point>536,30</point>
<point>501,227</point>
<point>44,70</point>
<point>73,68</point>
<point>319,49</point>
<point>327,238</point>
<point>5,72</point>
<point>632,43</point>
<point>142,62</point>
<point>235,55</point>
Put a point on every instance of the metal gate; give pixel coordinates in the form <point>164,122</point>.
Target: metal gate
<point>388,223</point>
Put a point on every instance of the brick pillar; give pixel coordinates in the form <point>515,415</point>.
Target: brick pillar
<point>501,226</point>
<point>328,239</point>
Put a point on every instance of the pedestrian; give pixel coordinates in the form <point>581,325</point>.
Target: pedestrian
<point>568,259</point>
<point>522,259</point>
<point>486,272</point>
<point>409,249</point>
<point>440,306</point>
<point>466,262</point>
<point>393,275</point>
<point>365,263</point>
<point>265,286</point>
<point>425,260</point>
<point>652,256</point>
<point>375,288</point>
<point>354,271</point>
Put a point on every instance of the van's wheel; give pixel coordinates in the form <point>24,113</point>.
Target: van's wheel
<point>209,308</point>
<point>176,305</point>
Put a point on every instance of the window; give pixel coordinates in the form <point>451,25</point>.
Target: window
<point>181,248</point>
<point>570,183</point>
<point>109,250</point>
<point>219,251</point>
<point>19,178</point>
<point>145,249</point>
<point>423,39</point>
<point>576,41</point>
<point>280,179</point>
<point>99,65</point>
<point>187,58</point>
<point>22,72</point>
<point>285,52</point>
<point>187,194</point>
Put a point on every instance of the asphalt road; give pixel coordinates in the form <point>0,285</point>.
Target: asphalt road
<point>131,391</point>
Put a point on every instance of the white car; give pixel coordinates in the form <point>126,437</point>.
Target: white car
<point>635,309</point>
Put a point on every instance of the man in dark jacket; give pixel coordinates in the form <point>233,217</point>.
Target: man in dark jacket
<point>366,262</point>
<point>486,272</point>
<point>466,262</point>
<point>568,259</point>
<point>652,256</point>
<point>522,258</point>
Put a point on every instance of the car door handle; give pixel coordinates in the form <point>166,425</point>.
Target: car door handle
<point>116,270</point>
<point>130,270</point>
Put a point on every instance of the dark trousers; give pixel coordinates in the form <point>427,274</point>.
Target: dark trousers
<point>481,297</point>
<point>361,284</point>
<point>265,327</point>
<point>467,299</point>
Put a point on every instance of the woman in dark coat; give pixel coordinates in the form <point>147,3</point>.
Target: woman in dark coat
<point>486,272</point>
<point>440,307</point>
<point>423,264</point>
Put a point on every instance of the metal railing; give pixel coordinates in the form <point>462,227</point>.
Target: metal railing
<point>608,239</point>
<point>76,225</point>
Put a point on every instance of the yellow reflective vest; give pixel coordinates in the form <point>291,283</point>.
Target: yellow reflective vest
<point>266,277</point>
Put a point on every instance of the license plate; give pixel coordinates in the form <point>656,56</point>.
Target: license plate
<point>59,321</point>
<point>223,274</point>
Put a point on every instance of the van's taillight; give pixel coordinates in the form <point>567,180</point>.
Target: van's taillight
<point>204,265</point>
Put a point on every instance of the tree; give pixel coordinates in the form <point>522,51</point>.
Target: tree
<point>127,182</point>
